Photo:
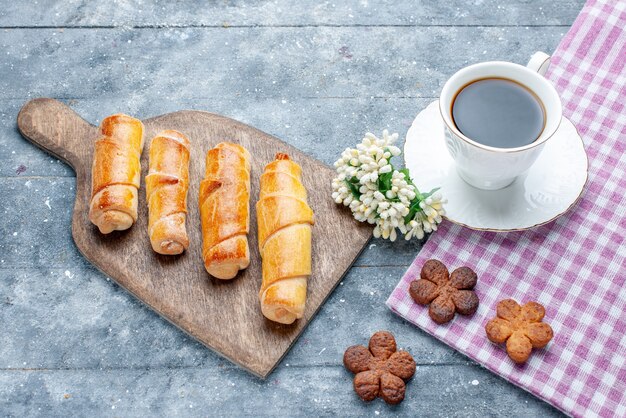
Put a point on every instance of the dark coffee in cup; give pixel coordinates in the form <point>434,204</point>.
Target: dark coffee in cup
<point>498,112</point>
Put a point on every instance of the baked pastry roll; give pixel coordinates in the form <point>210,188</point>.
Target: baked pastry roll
<point>225,210</point>
<point>167,183</point>
<point>284,221</point>
<point>116,173</point>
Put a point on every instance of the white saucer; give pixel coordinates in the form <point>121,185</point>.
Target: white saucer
<point>546,191</point>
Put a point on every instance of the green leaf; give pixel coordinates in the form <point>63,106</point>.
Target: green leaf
<point>353,185</point>
<point>409,180</point>
<point>413,209</point>
<point>407,175</point>
<point>427,195</point>
<point>419,196</point>
<point>384,182</point>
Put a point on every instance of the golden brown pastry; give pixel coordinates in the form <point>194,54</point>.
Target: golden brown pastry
<point>225,210</point>
<point>284,220</point>
<point>115,173</point>
<point>167,183</point>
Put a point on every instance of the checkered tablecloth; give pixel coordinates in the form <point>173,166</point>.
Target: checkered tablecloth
<point>574,266</point>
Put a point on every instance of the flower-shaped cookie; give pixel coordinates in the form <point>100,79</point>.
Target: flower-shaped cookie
<point>380,370</point>
<point>520,327</point>
<point>445,293</point>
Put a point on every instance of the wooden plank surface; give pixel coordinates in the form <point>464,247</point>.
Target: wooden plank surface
<point>176,64</point>
<point>223,315</point>
<point>148,366</point>
<point>285,13</point>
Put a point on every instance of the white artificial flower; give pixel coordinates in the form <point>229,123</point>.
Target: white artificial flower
<point>357,186</point>
<point>433,211</point>
<point>414,230</point>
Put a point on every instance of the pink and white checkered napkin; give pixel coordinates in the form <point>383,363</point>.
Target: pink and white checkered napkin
<point>574,266</point>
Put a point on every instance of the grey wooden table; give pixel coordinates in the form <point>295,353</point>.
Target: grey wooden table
<point>316,74</point>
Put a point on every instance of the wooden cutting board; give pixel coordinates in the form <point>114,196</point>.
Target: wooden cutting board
<point>224,316</point>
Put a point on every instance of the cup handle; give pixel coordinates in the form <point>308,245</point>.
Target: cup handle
<point>539,62</point>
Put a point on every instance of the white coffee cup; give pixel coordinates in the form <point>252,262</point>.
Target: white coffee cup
<point>492,168</point>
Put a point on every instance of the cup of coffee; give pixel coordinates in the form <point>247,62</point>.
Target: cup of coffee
<point>498,117</point>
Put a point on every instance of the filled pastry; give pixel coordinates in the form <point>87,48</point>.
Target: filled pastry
<point>167,183</point>
<point>116,173</point>
<point>284,223</point>
<point>225,210</point>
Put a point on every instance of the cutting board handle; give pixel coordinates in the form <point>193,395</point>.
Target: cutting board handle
<point>56,128</point>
